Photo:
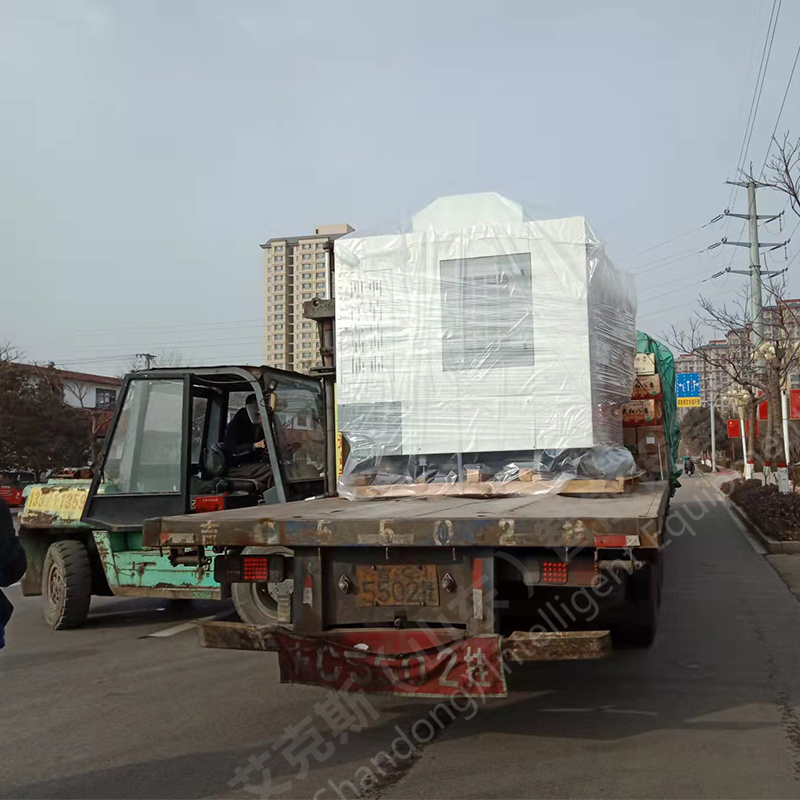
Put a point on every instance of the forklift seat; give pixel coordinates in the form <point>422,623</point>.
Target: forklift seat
<point>215,464</point>
<point>246,485</point>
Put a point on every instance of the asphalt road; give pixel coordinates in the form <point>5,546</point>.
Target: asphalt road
<point>711,710</point>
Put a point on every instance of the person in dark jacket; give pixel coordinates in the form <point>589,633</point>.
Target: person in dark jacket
<point>12,564</point>
<point>245,445</point>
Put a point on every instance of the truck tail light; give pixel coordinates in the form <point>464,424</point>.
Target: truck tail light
<point>255,568</point>
<point>554,572</point>
<point>615,540</point>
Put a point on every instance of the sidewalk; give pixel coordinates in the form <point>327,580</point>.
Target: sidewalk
<point>787,566</point>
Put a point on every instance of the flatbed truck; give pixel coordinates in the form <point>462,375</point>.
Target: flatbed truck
<point>438,595</point>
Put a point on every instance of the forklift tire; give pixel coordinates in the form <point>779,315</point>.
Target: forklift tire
<point>66,585</point>
<point>638,629</point>
<point>255,603</point>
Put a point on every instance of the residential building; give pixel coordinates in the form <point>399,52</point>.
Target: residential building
<point>83,389</point>
<point>296,269</point>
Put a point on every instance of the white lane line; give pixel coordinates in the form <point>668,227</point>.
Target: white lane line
<point>181,628</point>
<point>175,629</point>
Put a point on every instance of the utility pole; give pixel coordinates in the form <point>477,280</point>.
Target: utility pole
<point>756,287</point>
<point>756,300</point>
<point>713,434</point>
<point>149,358</point>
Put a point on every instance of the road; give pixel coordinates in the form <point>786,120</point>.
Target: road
<point>711,710</point>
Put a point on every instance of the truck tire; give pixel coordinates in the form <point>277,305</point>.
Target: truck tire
<point>638,627</point>
<point>66,585</point>
<point>256,603</point>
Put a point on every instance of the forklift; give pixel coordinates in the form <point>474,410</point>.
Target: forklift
<point>165,454</point>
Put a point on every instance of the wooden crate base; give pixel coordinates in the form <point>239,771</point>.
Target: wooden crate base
<point>497,489</point>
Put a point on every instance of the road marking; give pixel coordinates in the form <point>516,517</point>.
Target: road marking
<point>175,629</point>
<point>181,628</point>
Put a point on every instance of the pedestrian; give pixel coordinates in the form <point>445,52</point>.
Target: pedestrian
<point>12,564</point>
<point>690,466</point>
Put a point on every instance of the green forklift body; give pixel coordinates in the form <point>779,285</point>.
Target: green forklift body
<point>151,466</point>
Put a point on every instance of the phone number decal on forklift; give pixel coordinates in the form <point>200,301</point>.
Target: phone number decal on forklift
<point>66,503</point>
<point>469,666</point>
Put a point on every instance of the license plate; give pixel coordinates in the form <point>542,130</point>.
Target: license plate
<point>59,503</point>
<point>397,585</point>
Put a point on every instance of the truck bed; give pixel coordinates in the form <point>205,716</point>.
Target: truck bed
<point>549,520</point>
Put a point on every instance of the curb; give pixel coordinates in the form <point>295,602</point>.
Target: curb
<point>772,546</point>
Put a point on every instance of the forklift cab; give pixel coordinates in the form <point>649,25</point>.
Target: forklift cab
<point>165,451</point>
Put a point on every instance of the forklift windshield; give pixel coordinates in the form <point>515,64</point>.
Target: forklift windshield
<point>167,447</point>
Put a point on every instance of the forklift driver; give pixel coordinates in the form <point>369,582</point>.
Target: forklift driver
<point>245,446</point>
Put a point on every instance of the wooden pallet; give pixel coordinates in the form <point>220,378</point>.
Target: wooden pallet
<point>497,489</point>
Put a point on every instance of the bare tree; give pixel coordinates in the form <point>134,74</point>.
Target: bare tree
<point>783,171</point>
<point>9,353</point>
<point>749,358</point>
<point>170,358</point>
<point>80,390</point>
<point>39,430</point>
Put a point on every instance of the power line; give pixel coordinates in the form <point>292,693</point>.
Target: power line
<point>675,238</point>
<point>676,291</point>
<point>659,262</point>
<point>172,344</point>
<point>751,116</point>
<point>683,305</point>
<point>763,79</point>
<point>667,260</point>
<point>780,110</point>
<point>754,102</point>
<point>137,327</point>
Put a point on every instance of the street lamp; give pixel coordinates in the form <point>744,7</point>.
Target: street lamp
<point>771,353</point>
<point>739,398</point>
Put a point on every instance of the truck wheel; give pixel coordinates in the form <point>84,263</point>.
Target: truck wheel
<point>257,603</point>
<point>638,628</point>
<point>66,585</point>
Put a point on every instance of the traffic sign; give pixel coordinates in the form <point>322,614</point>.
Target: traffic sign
<point>687,389</point>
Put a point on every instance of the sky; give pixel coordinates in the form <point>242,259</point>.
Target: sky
<point>148,148</point>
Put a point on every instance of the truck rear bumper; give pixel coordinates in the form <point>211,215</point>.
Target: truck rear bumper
<point>519,646</point>
<point>425,662</point>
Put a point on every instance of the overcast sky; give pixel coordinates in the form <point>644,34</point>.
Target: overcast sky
<point>149,147</point>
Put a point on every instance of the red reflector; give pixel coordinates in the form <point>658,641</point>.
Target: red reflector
<point>554,572</point>
<point>255,568</point>
<point>208,502</point>
<point>610,540</point>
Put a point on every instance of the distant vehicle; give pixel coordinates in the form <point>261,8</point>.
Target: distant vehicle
<point>75,473</point>
<point>12,483</point>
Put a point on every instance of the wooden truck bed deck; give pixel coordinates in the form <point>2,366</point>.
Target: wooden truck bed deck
<point>548,520</point>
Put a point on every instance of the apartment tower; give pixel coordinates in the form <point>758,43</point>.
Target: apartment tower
<point>295,270</point>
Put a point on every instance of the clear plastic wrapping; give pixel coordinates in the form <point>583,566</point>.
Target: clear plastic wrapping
<point>481,349</point>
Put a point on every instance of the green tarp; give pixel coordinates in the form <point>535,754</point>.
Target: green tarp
<point>665,366</point>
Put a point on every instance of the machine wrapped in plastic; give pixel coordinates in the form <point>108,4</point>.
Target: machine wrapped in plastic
<point>481,352</point>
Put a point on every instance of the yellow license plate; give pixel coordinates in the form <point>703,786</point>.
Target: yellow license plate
<point>397,585</point>
<point>65,502</point>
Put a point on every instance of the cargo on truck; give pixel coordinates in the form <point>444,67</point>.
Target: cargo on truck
<point>490,508</point>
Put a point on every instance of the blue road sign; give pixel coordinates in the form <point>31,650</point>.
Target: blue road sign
<point>687,384</point>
